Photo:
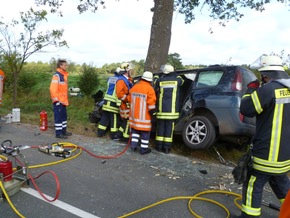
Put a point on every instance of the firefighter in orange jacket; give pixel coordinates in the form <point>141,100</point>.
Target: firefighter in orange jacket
<point>2,78</point>
<point>142,107</point>
<point>123,86</point>
<point>59,95</point>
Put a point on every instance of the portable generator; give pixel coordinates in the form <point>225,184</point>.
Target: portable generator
<point>12,180</point>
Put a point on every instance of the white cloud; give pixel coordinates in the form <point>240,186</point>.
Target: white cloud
<point>121,33</point>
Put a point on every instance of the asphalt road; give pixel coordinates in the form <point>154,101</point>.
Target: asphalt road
<point>100,187</point>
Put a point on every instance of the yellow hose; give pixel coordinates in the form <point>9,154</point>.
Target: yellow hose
<point>3,158</point>
<point>66,144</point>
<point>10,203</point>
<point>191,198</point>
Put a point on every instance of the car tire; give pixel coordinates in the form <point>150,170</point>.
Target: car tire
<point>199,133</point>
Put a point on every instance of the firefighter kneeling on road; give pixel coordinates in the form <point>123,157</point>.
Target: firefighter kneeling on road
<point>270,104</point>
<point>110,109</point>
<point>142,100</point>
<point>123,86</point>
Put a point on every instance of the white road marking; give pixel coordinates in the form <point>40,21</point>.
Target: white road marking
<point>60,204</point>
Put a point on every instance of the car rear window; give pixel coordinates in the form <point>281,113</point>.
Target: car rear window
<point>208,78</point>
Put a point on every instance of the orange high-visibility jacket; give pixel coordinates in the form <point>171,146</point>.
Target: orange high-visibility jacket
<point>2,78</point>
<point>122,91</point>
<point>285,208</point>
<point>142,99</point>
<point>59,87</point>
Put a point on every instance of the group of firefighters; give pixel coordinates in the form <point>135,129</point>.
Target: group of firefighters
<point>158,97</point>
<point>129,109</point>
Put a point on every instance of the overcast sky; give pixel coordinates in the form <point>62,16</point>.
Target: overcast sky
<point>121,33</point>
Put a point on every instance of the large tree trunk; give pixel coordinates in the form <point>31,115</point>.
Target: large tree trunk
<point>160,35</point>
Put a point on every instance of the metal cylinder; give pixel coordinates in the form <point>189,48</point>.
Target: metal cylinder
<point>6,169</point>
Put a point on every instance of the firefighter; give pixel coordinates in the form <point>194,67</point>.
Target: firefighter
<point>110,108</point>
<point>124,84</point>
<point>167,90</point>
<point>270,104</point>
<point>142,100</point>
<point>2,78</point>
<point>59,95</point>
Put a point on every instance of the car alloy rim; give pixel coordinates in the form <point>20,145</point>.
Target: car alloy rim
<point>196,132</point>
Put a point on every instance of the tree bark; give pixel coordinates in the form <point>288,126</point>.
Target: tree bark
<point>160,35</point>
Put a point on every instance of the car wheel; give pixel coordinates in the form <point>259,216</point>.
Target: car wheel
<point>199,133</point>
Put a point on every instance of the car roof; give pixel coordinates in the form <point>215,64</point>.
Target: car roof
<point>212,67</point>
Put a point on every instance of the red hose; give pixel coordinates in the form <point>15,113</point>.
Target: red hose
<point>38,189</point>
<point>36,186</point>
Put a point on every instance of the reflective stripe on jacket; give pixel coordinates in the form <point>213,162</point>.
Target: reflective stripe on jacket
<point>110,94</point>
<point>111,102</point>
<point>122,90</point>
<point>59,87</point>
<point>271,106</point>
<point>142,99</point>
<point>167,88</point>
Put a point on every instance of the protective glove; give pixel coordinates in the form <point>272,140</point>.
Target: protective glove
<point>153,115</point>
<point>152,112</point>
<point>252,86</point>
<point>243,168</point>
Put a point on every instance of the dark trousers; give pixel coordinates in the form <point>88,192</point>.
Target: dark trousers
<point>60,119</point>
<point>164,133</point>
<point>253,190</point>
<point>108,119</point>
<point>138,136</point>
<point>123,131</point>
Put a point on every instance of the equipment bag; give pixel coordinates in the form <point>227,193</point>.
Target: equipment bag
<point>244,166</point>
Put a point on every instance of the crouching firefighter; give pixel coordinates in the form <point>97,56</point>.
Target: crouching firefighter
<point>270,104</point>
<point>123,87</point>
<point>110,108</point>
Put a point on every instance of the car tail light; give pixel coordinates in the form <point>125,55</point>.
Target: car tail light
<point>237,83</point>
<point>241,117</point>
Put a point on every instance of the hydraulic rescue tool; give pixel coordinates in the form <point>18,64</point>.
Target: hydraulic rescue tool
<point>12,181</point>
<point>55,149</point>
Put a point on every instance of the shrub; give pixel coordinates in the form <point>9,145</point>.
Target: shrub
<point>88,81</point>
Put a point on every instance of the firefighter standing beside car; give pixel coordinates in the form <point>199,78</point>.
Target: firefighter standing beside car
<point>167,90</point>
<point>270,104</point>
<point>142,100</point>
<point>110,108</point>
<point>123,86</point>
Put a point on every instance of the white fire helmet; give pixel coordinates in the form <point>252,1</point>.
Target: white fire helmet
<point>147,75</point>
<point>268,63</point>
<point>127,66</point>
<point>270,66</point>
<point>167,68</point>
